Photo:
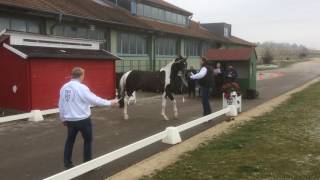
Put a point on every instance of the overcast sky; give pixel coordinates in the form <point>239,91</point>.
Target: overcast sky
<point>292,21</point>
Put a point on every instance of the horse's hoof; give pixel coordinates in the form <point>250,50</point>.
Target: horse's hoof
<point>166,118</point>
<point>126,117</point>
<point>176,116</point>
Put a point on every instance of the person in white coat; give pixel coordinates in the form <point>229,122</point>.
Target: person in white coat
<point>205,79</point>
<point>75,102</point>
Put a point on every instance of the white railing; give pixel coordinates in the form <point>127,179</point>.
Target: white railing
<point>35,116</point>
<point>170,136</point>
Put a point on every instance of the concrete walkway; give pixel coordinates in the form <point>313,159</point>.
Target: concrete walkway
<point>34,150</point>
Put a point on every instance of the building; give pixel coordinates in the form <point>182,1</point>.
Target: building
<point>224,30</point>
<point>34,67</point>
<point>146,34</point>
<point>242,59</point>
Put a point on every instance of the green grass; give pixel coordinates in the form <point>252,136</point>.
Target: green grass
<point>282,144</point>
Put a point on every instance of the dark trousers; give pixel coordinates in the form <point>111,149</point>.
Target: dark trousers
<point>192,90</point>
<point>205,100</point>
<point>85,127</point>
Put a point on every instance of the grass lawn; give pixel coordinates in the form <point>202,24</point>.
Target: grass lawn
<point>283,144</point>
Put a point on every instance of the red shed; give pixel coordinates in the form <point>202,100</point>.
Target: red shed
<point>34,67</point>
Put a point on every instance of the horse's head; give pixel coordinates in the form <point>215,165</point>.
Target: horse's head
<point>179,69</point>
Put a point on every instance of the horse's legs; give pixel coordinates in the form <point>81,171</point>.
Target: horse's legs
<point>132,98</point>
<point>174,102</point>
<point>164,103</point>
<point>125,109</point>
<point>175,108</point>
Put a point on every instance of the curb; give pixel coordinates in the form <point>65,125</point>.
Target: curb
<point>171,155</point>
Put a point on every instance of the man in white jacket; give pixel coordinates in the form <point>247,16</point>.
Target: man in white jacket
<point>74,106</point>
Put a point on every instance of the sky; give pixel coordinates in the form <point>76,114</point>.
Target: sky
<point>289,21</point>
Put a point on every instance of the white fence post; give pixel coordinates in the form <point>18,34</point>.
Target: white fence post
<point>36,116</point>
<point>234,100</point>
<point>172,136</point>
<point>233,111</point>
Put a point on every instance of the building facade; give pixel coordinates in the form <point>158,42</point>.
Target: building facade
<point>146,34</point>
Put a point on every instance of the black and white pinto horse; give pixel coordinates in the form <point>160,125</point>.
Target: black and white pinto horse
<point>162,81</point>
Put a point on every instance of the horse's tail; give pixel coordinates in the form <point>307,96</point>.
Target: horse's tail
<point>122,88</point>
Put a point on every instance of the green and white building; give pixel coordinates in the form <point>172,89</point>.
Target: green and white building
<point>146,34</point>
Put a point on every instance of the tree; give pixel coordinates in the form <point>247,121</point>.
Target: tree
<point>267,58</point>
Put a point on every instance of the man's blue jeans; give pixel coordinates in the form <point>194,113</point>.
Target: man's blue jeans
<point>85,127</point>
<point>205,100</point>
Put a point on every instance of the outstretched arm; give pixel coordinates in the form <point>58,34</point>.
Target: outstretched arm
<point>200,74</point>
<point>93,99</point>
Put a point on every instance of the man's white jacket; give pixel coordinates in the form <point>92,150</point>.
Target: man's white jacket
<point>75,101</point>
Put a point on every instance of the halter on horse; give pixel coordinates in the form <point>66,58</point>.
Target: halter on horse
<point>162,81</point>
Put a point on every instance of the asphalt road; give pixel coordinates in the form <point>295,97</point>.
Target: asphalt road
<point>34,150</point>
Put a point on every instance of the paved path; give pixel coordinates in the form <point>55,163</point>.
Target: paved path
<point>34,150</point>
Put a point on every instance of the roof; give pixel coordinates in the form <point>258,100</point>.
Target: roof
<point>194,30</point>
<point>112,14</point>
<point>64,53</point>
<point>167,5</point>
<point>236,40</point>
<point>85,9</point>
<point>234,54</point>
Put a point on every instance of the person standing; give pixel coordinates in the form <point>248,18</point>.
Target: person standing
<point>205,79</point>
<point>74,106</point>
<point>218,79</point>
<point>191,83</point>
<point>231,74</point>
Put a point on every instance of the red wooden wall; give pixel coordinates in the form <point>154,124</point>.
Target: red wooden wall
<point>14,71</point>
<point>48,76</point>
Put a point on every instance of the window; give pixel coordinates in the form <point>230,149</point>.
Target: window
<point>131,44</point>
<point>58,30</point>
<point>175,18</point>
<point>33,27</point>
<point>166,47</point>
<point>70,31</point>
<point>82,32</point>
<point>192,48</point>
<point>184,20</point>
<point>205,47</point>
<point>155,13</point>
<point>180,19</point>
<point>168,16</point>
<point>140,9</point>
<point>18,25</point>
<point>78,32</point>
<point>160,14</point>
<point>147,11</point>
<point>133,7</point>
<point>4,23</point>
<point>226,32</point>
<point>96,34</point>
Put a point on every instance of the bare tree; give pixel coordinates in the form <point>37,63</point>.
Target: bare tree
<point>267,58</point>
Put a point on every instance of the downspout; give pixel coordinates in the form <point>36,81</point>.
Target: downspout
<point>55,24</point>
<point>154,53</point>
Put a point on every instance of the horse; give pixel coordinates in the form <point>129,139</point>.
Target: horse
<point>162,81</point>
